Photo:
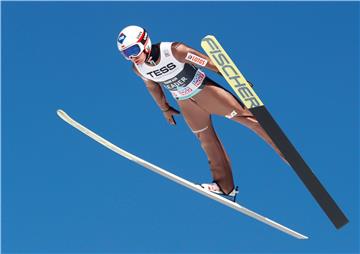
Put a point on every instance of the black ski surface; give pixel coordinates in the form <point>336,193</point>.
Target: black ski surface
<point>249,98</point>
<point>300,167</point>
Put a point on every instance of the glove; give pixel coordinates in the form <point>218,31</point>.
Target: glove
<point>169,115</point>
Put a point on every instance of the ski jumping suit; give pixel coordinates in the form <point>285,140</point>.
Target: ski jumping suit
<point>198,98</point>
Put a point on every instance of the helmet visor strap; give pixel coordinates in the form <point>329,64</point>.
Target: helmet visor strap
<point>132,51</point>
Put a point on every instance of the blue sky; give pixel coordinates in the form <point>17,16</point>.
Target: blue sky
<point>62,192</point>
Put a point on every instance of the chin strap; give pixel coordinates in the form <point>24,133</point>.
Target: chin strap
<point>150,55</point>
<point>149,59</point>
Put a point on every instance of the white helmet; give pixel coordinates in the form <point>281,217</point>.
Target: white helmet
<point>132,41</point>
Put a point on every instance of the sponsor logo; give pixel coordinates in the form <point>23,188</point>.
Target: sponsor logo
<point>198,78</point>
<point>162,70</point>
<point>196,59</point>
<point>139,35</point>
<point>169,81</point>
<point>185,91</point>
<point>173,84</point>
<point>232,74</point>
<point>191,87</point>
<point>121,38</point>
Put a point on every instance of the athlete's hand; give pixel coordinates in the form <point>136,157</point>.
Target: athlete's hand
<point>169,115</point>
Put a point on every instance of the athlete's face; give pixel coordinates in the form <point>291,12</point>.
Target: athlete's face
<point>139,59</point>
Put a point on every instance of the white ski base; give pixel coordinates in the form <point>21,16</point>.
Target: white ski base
<point>178,179</point>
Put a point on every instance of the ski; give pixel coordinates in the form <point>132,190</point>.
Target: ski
<point>251,101</point>
<point>176,178</point>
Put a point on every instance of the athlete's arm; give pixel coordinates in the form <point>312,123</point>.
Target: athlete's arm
<point>186,54</point>
<point>155,91</point>
<point>158,94</point>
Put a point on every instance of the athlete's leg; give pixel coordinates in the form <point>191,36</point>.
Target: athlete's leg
<point>200,123</point>
<point>217,100</point>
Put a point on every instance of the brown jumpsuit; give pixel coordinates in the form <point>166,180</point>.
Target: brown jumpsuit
<point>197,112</point>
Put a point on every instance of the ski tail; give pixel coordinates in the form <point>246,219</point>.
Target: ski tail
<point>250,99</point>
<point>303,171</point>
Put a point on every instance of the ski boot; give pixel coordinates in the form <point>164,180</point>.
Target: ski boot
<point>215,188</point>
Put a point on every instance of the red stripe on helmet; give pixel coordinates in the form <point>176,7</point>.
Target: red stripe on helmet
<point>142,36</point>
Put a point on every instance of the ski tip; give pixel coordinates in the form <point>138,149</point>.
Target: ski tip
<point>303,237</point>
<point>208,36</point>
<point>61,113</point>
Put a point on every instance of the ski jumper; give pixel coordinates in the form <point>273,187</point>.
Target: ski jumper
<point>198,98</point>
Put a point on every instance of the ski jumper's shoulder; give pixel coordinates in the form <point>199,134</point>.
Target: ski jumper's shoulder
<point>179,51</point>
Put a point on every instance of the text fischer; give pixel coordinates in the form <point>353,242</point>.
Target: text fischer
<point>245,92</point>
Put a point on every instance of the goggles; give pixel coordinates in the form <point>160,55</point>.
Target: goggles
<point>133,51</point>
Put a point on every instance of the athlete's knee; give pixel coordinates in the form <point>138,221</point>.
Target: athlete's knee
<point>237,112</point>
<point>248,121</point>
<point>207,138</point>
<point>232,114</point>
<point>201,133</point>
<point>251,122</point>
